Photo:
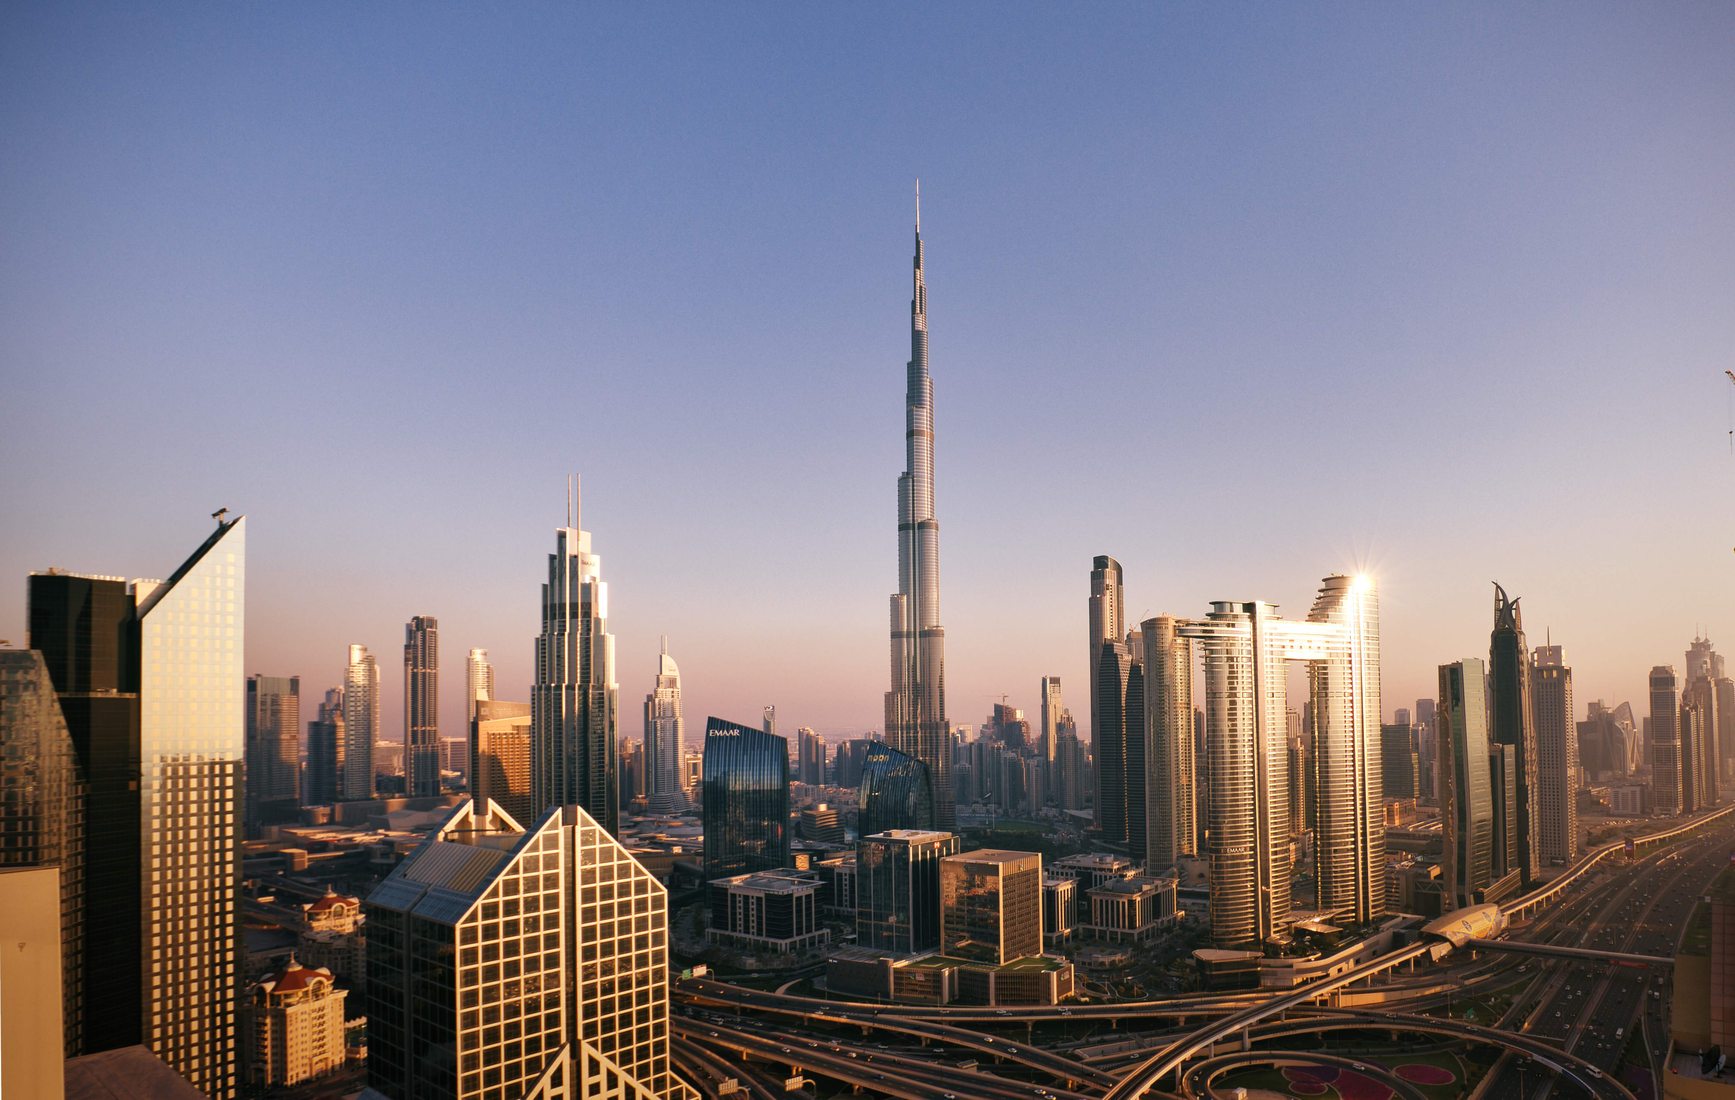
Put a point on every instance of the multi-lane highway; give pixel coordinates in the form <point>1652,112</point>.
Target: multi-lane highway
<point>1564,1020</point>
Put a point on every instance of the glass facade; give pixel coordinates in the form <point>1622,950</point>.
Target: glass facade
<point>898,889</point>
<point>325,752</point>
<point>896,792</point>
<point>665,730</point>
<point>916,704</point>
<point>1466,796</point>
<point>273,750</point>
<point>1170,777</point>
<point>361,724</point>
<point>575,701</point>
<point>192,741</point>
<point>991,906</point>
<point>422,706</point>
<point>1511,721</point>
<point>1349,839</point>
<point>1556,756</point>
<point>507,961</point>
<point>746,799</point>
<point>42,805</point>
<point>500,757</point>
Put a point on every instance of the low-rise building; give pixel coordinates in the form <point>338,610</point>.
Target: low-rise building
<point>1059,909</point>
<point>292,1026</point>
<point>768,911</point>
<point>1132,910</point>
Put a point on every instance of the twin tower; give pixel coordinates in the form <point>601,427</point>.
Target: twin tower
<point>1239,805</point>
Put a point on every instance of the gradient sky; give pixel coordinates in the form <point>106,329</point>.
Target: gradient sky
<point>1242,295</point>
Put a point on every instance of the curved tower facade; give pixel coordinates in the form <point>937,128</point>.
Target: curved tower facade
<point>916,704</point>
<point>1350,838</point>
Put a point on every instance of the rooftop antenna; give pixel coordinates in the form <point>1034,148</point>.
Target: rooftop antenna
<point>919,220</point>
<point>665,645</point>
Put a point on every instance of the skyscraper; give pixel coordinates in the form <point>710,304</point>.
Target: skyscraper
<point>746,800</point>
<point>1110,664</point>
<point>1665,742</point>
<point>810,757</point>
<point>576,701</point>
<point>361,723</point>
<point>273,750</point>
<point>916,704</point>
<point>1344,686</point>
<point>422,706</point>
<point>326,743</point>
<point>665,730</point>
<point>991,906</point>
<point>1170,797</point>
<point>519,960</point>
<point>500,753</point>
<point>154,693</point>
<point>1245,648</point>
<point>1556,756</point>
<point>897,883</point>
<point>896,792</point>
<point>1466,797</point>
<point>478,679</point>
<point>1512,722</point>
<point>42,808</point>
<point>1052,708</point>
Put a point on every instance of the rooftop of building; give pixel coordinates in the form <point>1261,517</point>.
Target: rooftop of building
<point>772,882</point>
<point>1131,887</point>
<point>332,900</point>
<point>294,978</point>
<point>997,856</point>
<point>913,836</point>
<point>1094,860</point>
<point>129,1073</point>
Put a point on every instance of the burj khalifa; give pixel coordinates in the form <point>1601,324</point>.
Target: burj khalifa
<point>916,704</point>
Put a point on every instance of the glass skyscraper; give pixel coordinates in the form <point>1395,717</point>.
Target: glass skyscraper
<point>1349,840</point>
<point>746,799</point>
<point>916,704</point>
<point>1171,797</point>
<point>665,730</point>
<point>1466,788</point>
<point>575,702</point>
<point>422,706</point>
<point>42,806</point>
<point>1556,756</point>
<point>361,724</point>
<point>273,750</point>
<point>1511,721</point>
<point>991,906</point>
<point>896,792</point>
<point>325,752</point>
<point>520,960</point>
<point>897,902</point>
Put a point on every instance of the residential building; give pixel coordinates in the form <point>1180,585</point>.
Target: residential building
<point>478,680</point>
<point>1664,743</point>
<point>665,732</point>
<point>1169,777</point>
<point>501,754</point>
<point>575,701</point>
<point>361,724</point>
<point>293,1026</point>
<point>746,800</point>
<point>519,960</point>
<point>810,756</point>
<point>916,704</point>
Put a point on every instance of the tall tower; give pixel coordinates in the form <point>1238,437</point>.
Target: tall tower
<point>1665,747</point>
<point>1170,777</point>
<point>1466,795</point>
<point>665,730</point>
<point>916,704</point>
<point>1512,722</point>
<point>1350,836</point>
<point>1108,695</point>
<point>273,751</point>
<point>361,724</point>
<point>478,680</point>
<point>325,748</point>
<point>575,702</point>
<point>422,706</point>
<point>1556,755</point>
<point>1051,708</point>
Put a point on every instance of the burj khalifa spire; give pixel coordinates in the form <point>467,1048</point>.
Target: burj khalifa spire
<point>916,704</point>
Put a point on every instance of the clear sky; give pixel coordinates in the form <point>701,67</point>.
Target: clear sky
<point>1240,294</point>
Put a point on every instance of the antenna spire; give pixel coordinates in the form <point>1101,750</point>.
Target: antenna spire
<point>918,204</point>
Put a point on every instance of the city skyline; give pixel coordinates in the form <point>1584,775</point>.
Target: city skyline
<point>1528,269</point>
